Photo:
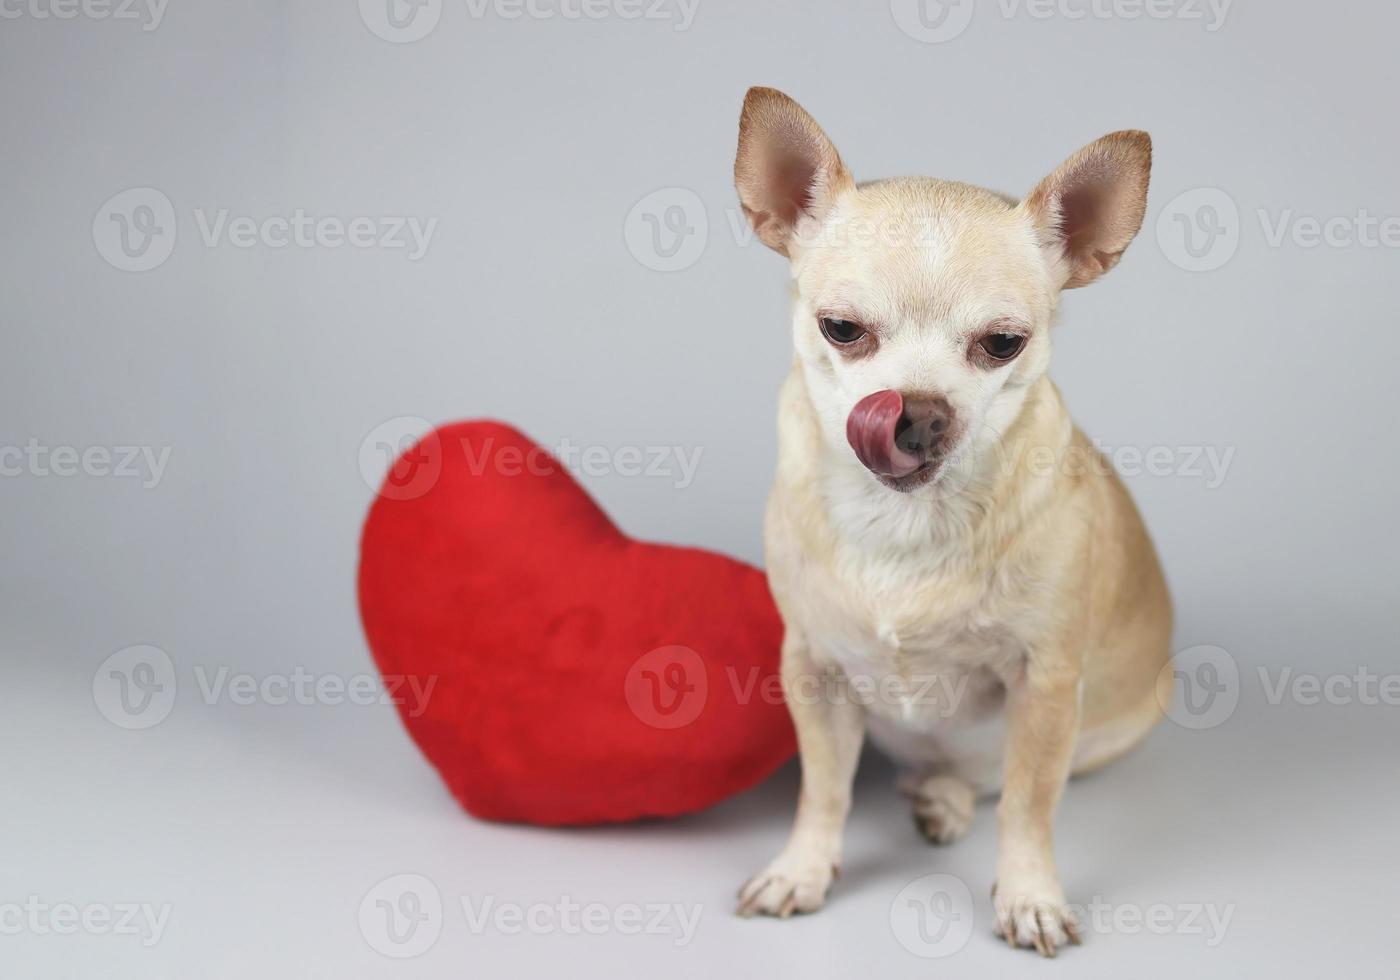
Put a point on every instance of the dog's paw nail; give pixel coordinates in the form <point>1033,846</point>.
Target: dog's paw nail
<point>786,888</point>
<point>1037,920</point>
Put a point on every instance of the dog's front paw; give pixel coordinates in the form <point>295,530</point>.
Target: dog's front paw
<point>1034,916</point>
<point>792,883</point>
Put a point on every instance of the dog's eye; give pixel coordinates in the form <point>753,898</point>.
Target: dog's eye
<point>1002,346</point>
<point>841,332</point>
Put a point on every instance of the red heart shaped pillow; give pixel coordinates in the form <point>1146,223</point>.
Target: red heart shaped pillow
<point>566,674</point>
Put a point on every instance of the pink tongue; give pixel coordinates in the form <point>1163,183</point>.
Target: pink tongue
<point>870,431</point>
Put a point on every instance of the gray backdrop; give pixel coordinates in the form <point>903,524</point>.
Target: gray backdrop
<point>582,271</point>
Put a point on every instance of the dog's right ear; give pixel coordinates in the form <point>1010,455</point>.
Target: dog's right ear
<point>786,168</point>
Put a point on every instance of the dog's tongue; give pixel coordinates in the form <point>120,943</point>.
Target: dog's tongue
<point>870,430</point>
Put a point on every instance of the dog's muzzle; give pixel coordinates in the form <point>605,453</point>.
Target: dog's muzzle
<point>894,435</point>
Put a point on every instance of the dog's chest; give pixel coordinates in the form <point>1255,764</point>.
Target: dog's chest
<point>923,650</point>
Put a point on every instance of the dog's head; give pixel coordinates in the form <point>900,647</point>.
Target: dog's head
<point>923,307</point>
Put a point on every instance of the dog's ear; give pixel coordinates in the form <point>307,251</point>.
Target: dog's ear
<point>1088,210</point>
<point>786,169</point>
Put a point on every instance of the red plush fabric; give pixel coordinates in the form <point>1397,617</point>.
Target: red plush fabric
<point>578,676</point>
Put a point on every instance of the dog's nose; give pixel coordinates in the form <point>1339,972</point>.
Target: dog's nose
<point>923,425</point>
<point>894,434</point>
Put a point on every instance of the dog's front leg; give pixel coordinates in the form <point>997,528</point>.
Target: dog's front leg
<point>830,728</point>
<point>1042,721</point>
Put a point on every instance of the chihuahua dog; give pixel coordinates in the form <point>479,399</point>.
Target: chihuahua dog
<point>959,572</point>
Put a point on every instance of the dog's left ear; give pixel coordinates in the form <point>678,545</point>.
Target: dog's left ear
<point>1088,210</point>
